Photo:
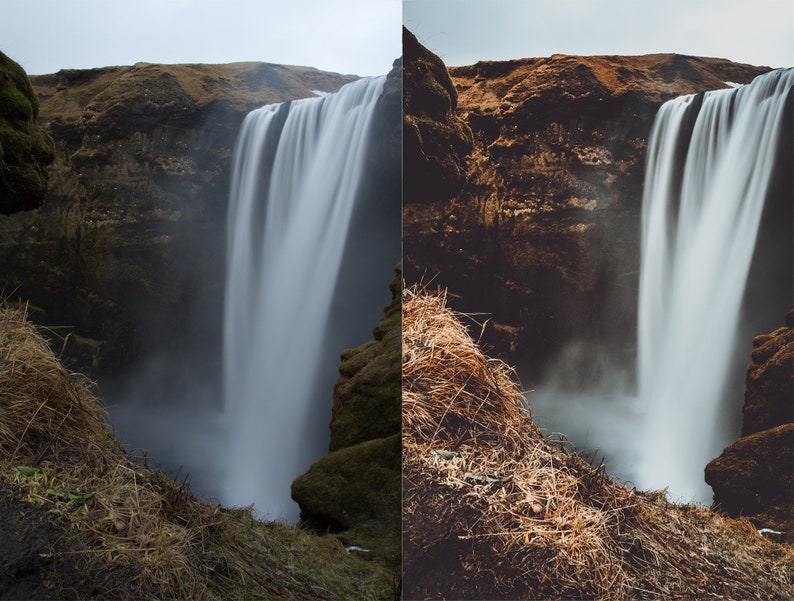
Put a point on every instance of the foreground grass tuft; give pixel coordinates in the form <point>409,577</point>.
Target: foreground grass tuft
<point>494,510</point>
<point>103,525</point>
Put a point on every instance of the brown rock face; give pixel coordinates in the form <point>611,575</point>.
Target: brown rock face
<point>769,384</point>
<point>544,234</point>
<point>434,138</point>
<point>129,246</point>
<point>754,476</point>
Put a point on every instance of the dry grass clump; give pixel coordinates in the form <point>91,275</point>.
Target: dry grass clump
<point>134,533</point>
<point>492,509</point>
<point>481,404</point>
<point>37,392</point>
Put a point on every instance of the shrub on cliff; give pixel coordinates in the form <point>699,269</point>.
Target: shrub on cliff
<point>493,509</point>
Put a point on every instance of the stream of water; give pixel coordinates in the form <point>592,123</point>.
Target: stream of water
<point>297,168</point>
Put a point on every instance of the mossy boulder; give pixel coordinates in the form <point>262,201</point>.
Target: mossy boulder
<point>369,382</point>
<point>354,492</point>
<point>25,148</point>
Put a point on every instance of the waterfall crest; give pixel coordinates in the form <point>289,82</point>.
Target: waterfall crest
<point>295,175</point>
<point>699,230</point>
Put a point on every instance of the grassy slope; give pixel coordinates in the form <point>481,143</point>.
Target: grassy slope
<point>70,92</point>
<point>493,510</point>
<point>85,520</point>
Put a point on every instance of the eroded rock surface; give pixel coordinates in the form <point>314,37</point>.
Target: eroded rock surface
<point>128,250</point>
<point>544,233</point>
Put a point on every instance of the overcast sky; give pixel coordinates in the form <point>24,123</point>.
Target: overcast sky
<point>461,32</point>
<point>363,36</point>
<point>360,37</point>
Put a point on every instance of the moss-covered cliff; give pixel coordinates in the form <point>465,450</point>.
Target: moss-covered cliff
<point>354,491</point>
<point>25,148</point>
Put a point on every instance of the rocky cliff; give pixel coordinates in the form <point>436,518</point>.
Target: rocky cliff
<point>129,246</point>
<point>754,476</point>
<point>25,148</point>
<point>544,230</point>
<point>354,491</point>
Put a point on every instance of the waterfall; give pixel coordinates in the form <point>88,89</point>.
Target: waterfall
<point>295,176</point>
<point>699,229</point>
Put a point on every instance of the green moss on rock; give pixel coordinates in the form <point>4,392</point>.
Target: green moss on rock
<point>355,491</point>
<point>367,394</point>
<point>25,148</point>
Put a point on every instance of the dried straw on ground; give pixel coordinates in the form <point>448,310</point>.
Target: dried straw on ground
<point>492,509</point>
<point>128,531</point>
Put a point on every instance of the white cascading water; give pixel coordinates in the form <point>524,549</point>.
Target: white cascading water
<point>699,231</point>
<point>296,171</point>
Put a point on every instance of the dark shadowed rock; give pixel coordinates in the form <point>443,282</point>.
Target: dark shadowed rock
<point>769,384</point>
<point>354,491</point>
<point>754,476</point>
<point>25,148</point>
<point>435,140</point>
<point>129,248</point>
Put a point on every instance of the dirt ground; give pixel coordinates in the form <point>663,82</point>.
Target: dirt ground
<point>41,558</point>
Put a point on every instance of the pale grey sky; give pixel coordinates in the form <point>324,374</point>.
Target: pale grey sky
<point>461,32</point>
<point>360,37</point>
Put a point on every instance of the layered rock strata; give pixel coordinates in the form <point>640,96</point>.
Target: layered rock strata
<point>544,230</point>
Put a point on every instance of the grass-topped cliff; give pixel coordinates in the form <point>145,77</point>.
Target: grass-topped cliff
<point>128,249</point>
<point>82,519</point>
